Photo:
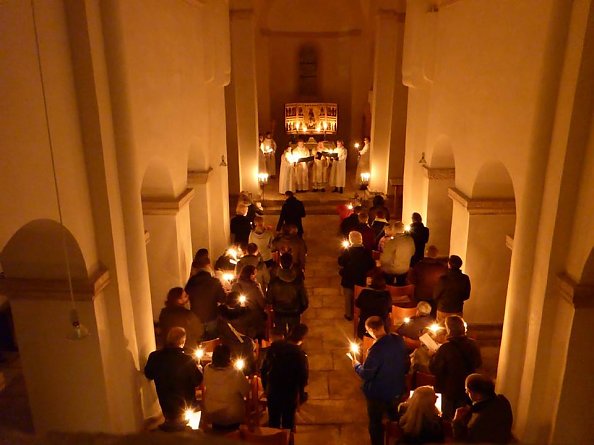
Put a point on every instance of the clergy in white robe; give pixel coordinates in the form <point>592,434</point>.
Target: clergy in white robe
<point>286,179</point>
<point>268,148</point>
<point>363,164</point>
<point>338,168</point>
<point>319,175</point>
<point>301,168</point>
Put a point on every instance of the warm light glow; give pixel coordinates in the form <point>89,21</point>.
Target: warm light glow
<point>199,353</point>
<point>435,328</point>
<point>365,177</point>
<point>357,145</point>
<point>292,157</point>
<point>406,320</point>
<point>228,276</point>
<point>325,125</point>
<point>465,325</point>
<point>350,206</point>
<point>192,418</point>
<point>354,347</point>
<point>437,401</point>
<point>242,300</point>
<point>263,178</point>
<point>239,364</point>
<point>346,244</point>
<point>232,253</point>
<point>407,228</point>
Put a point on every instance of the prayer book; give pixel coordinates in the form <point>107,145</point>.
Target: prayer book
<point>428,341</point>
<point>307,159</point>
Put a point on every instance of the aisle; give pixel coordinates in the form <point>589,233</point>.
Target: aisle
<point>335,412</point>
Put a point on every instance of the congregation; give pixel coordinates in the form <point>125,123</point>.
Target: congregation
<point>236,350</point>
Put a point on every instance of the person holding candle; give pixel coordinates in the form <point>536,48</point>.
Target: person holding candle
<point>255,319</point>
<point>292,212</point>
<point>175,313</point>
<point>301,168</point>
<point>289,241</point>
<point>176,377</point>
<point>355,261</point>
<point>452,290</point>
<point>262,236</point>
<point>375,301</point>
<point>338,168</point>
<point>320,168</point>
<point>253,258</point>
<point>383,376</point>
<point>286,179</point>
<point>396,254</point>
<point>416,325</point>
<point>225,390</point>
<point>240,225</point>
<point>363,162</point>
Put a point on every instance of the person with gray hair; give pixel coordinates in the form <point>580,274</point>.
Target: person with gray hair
<point>396,254</point>
<point>176,377</point>
<point>355,261</point>
<point>413,328</point>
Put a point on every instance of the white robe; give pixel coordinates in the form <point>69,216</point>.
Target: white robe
<point>319,176</point>
<point>301,169</point>
<point>363,164</point>
<point>268,149</point>
<point>286,180</point>
<point>338,169</point>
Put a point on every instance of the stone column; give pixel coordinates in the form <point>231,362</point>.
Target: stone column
<point>384,84</point>
<point>245,99</point>
<point>480,228</point>
<point>439,208</point>
<point>169,251</point>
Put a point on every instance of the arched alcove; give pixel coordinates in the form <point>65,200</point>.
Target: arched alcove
<point>493,181</point>
<point>442,154</point>
<point>157,182</point>
<point>38,251</point>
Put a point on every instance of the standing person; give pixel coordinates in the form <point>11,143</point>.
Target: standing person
<point>226,388</point>
<point>379,203</point>
<point>366,232</point>
<point>175,314</point>
<point>286,179</point>
<point>320,168</point>
<point>247,286</point>
<point>261,155</point>
<point>176,377</point>
<point>363,162</point>
<point>262,237</point>
<point>396,254</point>
<point>355,261</point>
<point>253,258</point>
<point>289,242</point>
<point>291,213</point>
<point>383,376</point>
<point>420,235</point>
<point>287,295</point>
<point>268,147</point>
<point>284,376</point>
<point>489,419</point>
<point>338,168</point>
<point>425,276</point>
<point>301,168</point>
<point>377,226</point>
<point>452,290</point>
<point>455,360</point>
<point>205,292</point>
<point>240,225</point>
<point>374,302</point>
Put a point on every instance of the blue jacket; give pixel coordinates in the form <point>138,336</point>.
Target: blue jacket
<point>384,369</point>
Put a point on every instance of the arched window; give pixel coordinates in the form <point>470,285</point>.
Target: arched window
<point>308,71</point>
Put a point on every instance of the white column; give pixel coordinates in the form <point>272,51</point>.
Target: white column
<point>169,250</point>
<point>243,84</point>
<point>480,228</point>
<point>438,215</point>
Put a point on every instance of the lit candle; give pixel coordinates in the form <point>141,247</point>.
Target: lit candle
<point>354,348</point>
<point>239,364</point>
<point>406,320</point>
<point>365,177</point>
<point>350,206</point>
<point>199,353</point>
<point>242,300</point>
<point>232,252</point>
<point>346,244</point>
<point>435,328</point>
<point>192,418</point>
<point>407,228</point>
<point>357,145</point>
<point>228,276</point>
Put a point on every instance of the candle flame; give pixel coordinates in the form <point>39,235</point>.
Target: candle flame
<point>346,244</point>
<point>354,347</point>
<point>435,328</point>
<point>232,252</point>
<point>357,145</point>
<point>407,228</point>
<point>192,418</point>
<point>242,300</point>
<point>406,319</point>
<point>239,364</point>
<point>199,353</point>
<point>350,206</point>
<point>228,276</point>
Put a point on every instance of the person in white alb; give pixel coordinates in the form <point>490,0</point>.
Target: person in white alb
<point>338,168</point>
<point>319,176</point>
<point>363,163</point>
<point>301,168</point>
<point>286,180</point>
<point>268,148</point>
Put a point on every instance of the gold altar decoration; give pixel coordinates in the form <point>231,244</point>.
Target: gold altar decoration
<point>311,118</point>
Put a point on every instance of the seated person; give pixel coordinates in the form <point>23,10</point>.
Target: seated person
<point>489,419</point>
<point>225,391</point>
<point>176,314</point>
<point>426,273</point>
<point>176,377</point>
<point>415,327</point>
<point>374,301</point>
<point>253,258</point>
<point>420,420</point>
<point>255,318</point>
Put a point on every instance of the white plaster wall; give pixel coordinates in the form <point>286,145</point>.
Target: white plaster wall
<point>459,233</point>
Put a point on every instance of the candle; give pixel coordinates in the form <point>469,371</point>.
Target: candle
<point>232,252</point>
<point>239,364</point>
<point>407,228</point>
<point>192,418</point>
<point>199,353</point>
<point>350,206</point>
<point>357,145</point>
<point>435,328</point>
<point>406,319</point>
<point>365,177</point>
<point>228,276</point>
<point>242,300</point>
<point>354,348</point>
<point>346,244</point>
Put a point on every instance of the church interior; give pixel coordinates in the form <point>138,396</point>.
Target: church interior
<point>136,123</point>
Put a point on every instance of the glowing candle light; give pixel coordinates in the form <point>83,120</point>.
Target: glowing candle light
<point>228,276</point>
<point>350,206</point>
<point>435,328</point>
<point>232,253</point>
<point>365,177</point>
<point>242,300</point>
<point>199,353</point>
<point>239,364</point>
<point>346,244</point>
<point>406,320</point>
<point>354,348</point>
<point>357,145</point>
<point>192,418</point>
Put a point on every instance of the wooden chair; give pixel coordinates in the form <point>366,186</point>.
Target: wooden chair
<point>400,313</point>
<point>209,345</point>
<point>256,402</point>
<point>262,435</point>
<point>402,295</point>
<point>356,310</point>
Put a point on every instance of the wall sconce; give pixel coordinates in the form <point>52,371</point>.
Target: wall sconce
<point>223,163</point>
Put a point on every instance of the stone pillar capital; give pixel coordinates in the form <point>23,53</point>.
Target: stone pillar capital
<point>166,206</point>
<point>483,206</point>
<point>439,173</point>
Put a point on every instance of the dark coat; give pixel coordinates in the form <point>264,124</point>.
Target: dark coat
<point>240,229</point>
<point>349,223</point>
<point>172,316</point>
<point>490,422</point>
<point>368,235</point>
<point>384,369</point>
<point>451,291</point>
<point>455,360</point>
<point>425,276</point>
<point>420,235</point>
<point>291,213</point>
<point>372,302</point>
<point>205,293</point>
<point>294,245</point>
<point>285,370</point>
<point>355,261</point>
<point>286,293</point>
<point>176,377</point>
